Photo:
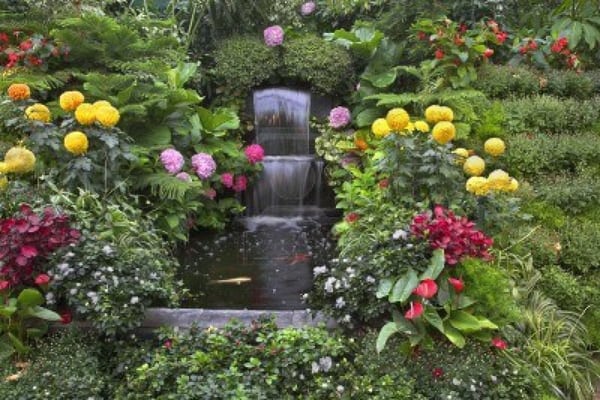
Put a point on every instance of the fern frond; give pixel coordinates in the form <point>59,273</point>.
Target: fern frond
<point>167,187</point>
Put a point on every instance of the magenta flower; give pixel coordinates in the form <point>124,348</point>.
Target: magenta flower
<point>308,8</point>
<point>273,36</point>
<point>240,184</point>
<point>254,153</point>
<point>227,179</point>
<point>172,160</point>
<point>184,176</point>
<point>204,165</point>
<point>339,117</point>
<point>210,193</point>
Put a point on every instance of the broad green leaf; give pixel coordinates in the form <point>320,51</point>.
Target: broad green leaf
<point>382,79</point>
<point>384,287</point>
<point>366,117</point>
<point>219,121</point>
<point>463,56</point>
<point>17,344</point>
<point>486,323</point>
<point>575,33</point>
<point>465,301</point>
<point>464,321</point>
<point>404,286</point>
<point>591,35</point>
<point>30,298</point>
<point>454,336</point>
<point>384,334</point>
<point>432,316</point>
<point>157,136</point>
<point>38,332</point>
<point>43,313</point>
<point>7,311</point>
<point>436,265</point>
<point>172,220</point>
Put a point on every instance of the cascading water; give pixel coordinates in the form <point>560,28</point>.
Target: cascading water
<point>265,261</point>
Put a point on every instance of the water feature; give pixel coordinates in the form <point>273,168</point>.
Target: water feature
<point>265,259</point>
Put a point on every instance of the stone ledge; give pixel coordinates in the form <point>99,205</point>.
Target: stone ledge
<point>186,317</point>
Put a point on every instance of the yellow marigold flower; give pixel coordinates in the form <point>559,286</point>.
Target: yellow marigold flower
<point>494,147</point>
<point>380,128</point>
<point>69,101</point>
<point>445,114</point>
<point>431,114</point>
<point>477,185</point>
<point>18,91</point>
<point>3,168</point>
<point>397,119</point>
<point>443,132</point>
<point>513,186</point>
<point>410,127</point>
<point>108,116</point>
<point>19,160</point>
<point>101,103</point>
<point>76,142</point>
<point>85,114</point>
<point>499,180</point>
<point>3,183</point>
<point>461,155</point>
<point>474,166</point>
<point>422,126</point>
<point>38,112</point>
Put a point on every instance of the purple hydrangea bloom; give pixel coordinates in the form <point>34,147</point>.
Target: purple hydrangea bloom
<point>172,160</point>
<point>308,8</point>
<point>339,117</point>
<point>273,36</point>
<point>184,176</point>
<point>204,165</point>
<point>254,153</point>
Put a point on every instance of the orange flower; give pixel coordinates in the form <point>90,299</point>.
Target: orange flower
<point>18,91</point>
<point>360,144</point>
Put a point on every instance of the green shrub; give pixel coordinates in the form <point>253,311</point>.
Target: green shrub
<point>499,81</point>
<point>491,122</point>
<point>490,286</point>
<point>547,214</point>
<point>594,77</point>
<point>564,288</point>
<point>65,367</point>
<point>549,114</point>
<point>580,241</point>
<point>572,194</point>
<point>529,156</point>
<point>568,83</point>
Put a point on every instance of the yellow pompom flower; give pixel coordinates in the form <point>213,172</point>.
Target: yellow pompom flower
<point>380,128</point>
<point>101,103</point>
<point>499,180</point>
<point>513,186</point>
<point>477,185</point>
<point>461,155</point>
<point>445,114</point>
<point>443,132</point>
<point>474,166</point>
<point>422,126</point>
<point>494,147</point>
<point>3,168</point>
<point>431,114</point>
<point>38,112</point>
<point>69,101</point>
<point>3,183</point>
<point>397,119</point>
<point>19,160</point>
<point>18,91</point>
<point>85,114</point>
<point>76,142</point>
<point>108,116</point>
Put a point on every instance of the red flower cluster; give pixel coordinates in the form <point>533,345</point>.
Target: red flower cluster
<point>531,45</point>
<point>501,36</point>
<point>560,48</point>
<point>18,49</point>
<point>28,238</point>
<point>456,235</point>
<point>559,45</point>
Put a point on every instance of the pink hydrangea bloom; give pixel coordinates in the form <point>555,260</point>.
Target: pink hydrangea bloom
<point>339,117</point>
<point>227,179</point>
<point>204,165</point>
<point>273,36</point>
<point>240,184</point>
<point>172,160</point>
<point>210,193</point>
<point>254,153</point>
<point>308,8</point>
<point>184,176</point>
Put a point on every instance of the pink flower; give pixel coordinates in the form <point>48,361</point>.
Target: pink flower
<point>254,153</point>
<point>426,289</point>
<point>308,8</point>
<point>210,193</point>
<point>168,344</point>
<point>184,176</point>
<point>240,184</point>
<point>42,280</point>
<point>439,54</point>
<point>339,117</point>
<point>227,179</point>
<point>415,311</point>
<point>352,217</point>
<point>273,36</point>
<point>172,160</point>
<point>498,343</point>
<point>204,165</point>
<point>457,283</point>
<point>437,373</point>
<point>4,285</point>
<point>66,317</point>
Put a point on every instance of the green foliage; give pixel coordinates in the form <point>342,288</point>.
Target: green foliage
<point>573,194</point>
<point>579,22</point>
<point>547,214</point>
<point>548,114</point>
<point>120,267</point>
<point>500,81</point>
<point>579,240</point>
<point>490,122</point>
<point>67,366</point>
<point>568,84</point>
<point>490,286</point>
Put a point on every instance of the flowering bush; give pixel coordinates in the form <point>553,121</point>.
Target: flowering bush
<point>20,49</point>
<point>27,239</point>
<point>273,36</point>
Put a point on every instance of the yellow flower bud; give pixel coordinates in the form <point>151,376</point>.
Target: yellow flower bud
<point>19,160</point>
<point>461,155</point>
<point>108,116</point>
<point>76,142</point>
<point>380,128</point>
<point>477,185</point>
<point>494,147</point>
<point>499,180</point>
<point>85,114</point>
<point>397,119</point>
<point>443,132</point>
<point>513,186</point>
<point>422,126</point>
<point>38,112</point>
<point>474,166</point>
<point>69,101</point>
